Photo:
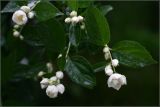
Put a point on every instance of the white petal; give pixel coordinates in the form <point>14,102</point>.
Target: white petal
<point>73,13</point>
<point>26,9</point>
<point>115,62</point>
<point>54,78</point>
<point>59,74</point>
<point>61,88</point>
<point>106,56</point>
<point>106,49</point>
<point>117,87</point>
<point>52,91</point>
<point>108,71</point>
<point>123,80</point>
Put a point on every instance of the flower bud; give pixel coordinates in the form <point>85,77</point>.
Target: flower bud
<point>19,17</point>
<point>82,27</point>
<point>75,19</point>
<point>116,81</point>
<point>31,15</point>
<point>16,33</point>
<point>59,74</point>
<point>49,66</point>
<point>16,26</point>
<point>41,73</point>
<point>21,37</point>
<point>61,88</point>
<point>53,79</point>
<point>52,91</point>
<point>26,9</point>
<point>44,83</point>
<point>115,62</point>
<point>106,56</point>
<point>108,70</point>
<point>80,18</point>
<point>73,13</point>
<point>67,20</point>
<point>105,49</point>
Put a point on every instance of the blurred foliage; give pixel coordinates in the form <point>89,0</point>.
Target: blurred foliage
<point>136,21</point>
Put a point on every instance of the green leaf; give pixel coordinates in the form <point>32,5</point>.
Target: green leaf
<point>99,66</point>
<point>75,35</point>
<point>80,71</point>
<point>73,4</point>
<point>8,66</point>
<point>50,33</point>
<point>45,11</point>
<point>12,6</point>
<point>132,54</point>
<point>84,3</point>
<point>62,61</point>
<point>105,9</point>
<point>97,26</point>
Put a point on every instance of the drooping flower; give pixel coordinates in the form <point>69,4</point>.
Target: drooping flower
<point>16,33</point>
<point>105,49</point>
<point>73,13</point>
<point>61,88</point>
<point>108,70</point>
<point>19,17</point>
<point>115,62</point>
<point>106,56</point>
<point>67,20</point>
<point>31,15</point>
<point>74,20</point>
<point>116,81</point>
<point>59,74</point>
<point>26,9</point>
<point>52,91</point>
<point>44,83</point>
<point>80,18</point>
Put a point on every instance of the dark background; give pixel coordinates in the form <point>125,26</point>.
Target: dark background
<point>138,21</point>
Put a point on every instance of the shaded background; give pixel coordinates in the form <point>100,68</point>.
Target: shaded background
<point>136,21</point>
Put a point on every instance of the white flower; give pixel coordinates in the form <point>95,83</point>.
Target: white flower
<point>44,83</point>
<point>116,81</point>
<point>19,17</point>
<point>61,88</point>
<point>59,74</point>
<point>82,27</point>
<point>73,13</point>
<point>108,70</point>
<point>105,49</point>
<point>41,73</point>
<point>16,33</point>
<point>49,66</point>
<point>16,26</point>
<point>26,9</point>
<point>67,20</point>
<point>115,62</point>
<point>106,56</point>
<point>53,79</point>
<point>31,14</point>
<point>52,91</point>
<point>75,19</point>
<point>80,18</point>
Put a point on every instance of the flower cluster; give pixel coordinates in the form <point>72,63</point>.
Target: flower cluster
<point>74,19</point>
<point>52,85</point>
<point>20,18</point>
<point>115,80</point>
